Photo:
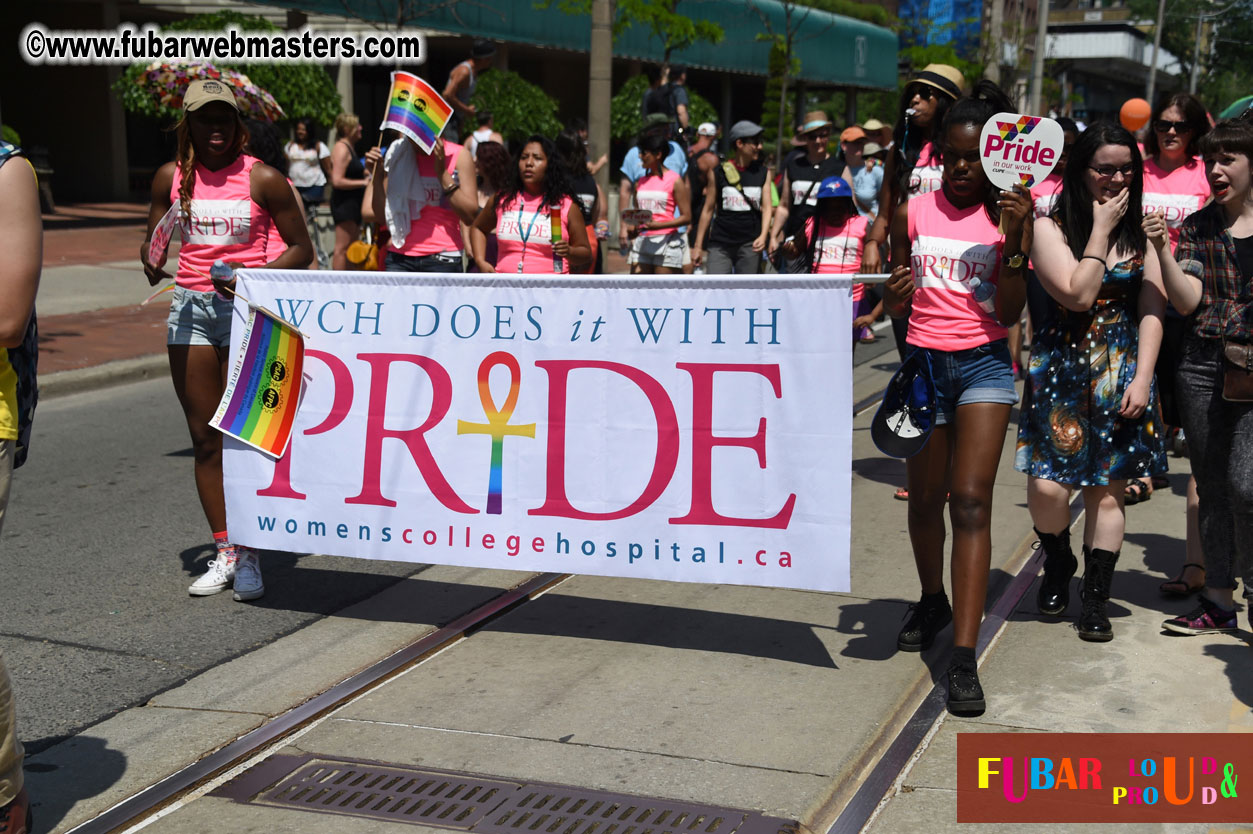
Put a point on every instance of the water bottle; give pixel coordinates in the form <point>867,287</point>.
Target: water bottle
<point>220,271</point>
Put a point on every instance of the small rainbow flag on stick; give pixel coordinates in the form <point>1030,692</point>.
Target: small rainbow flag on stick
<point>416,110</point>
<point>262,396</point>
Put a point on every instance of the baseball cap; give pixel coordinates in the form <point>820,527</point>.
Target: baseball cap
<point>871,148</point>
<point>654,120</point>
<point>482,49</point>
<point>744,129</point>
<point>903,423</point>
<point>206,90</point>
<point>852,133</point>
<point>833,187</point>
<point>707,129</point>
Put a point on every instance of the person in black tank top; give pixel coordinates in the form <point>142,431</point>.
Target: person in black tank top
<point>348,184</point>
<point>737,217</point>
<point>701,159</point>
<point>591,198</point>
<point>800,182</point>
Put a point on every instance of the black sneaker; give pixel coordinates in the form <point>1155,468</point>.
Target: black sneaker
<point>965,695</point>
<point>926,619</point>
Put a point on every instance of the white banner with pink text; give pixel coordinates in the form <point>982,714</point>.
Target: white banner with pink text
<point>660,427</point>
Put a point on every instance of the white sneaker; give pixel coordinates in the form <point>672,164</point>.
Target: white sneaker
<point>216,579</point>
<point>248,584</point>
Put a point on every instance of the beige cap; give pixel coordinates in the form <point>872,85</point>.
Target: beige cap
<point>206,90</point>
<point>871,148</point>
<point>873,124</point>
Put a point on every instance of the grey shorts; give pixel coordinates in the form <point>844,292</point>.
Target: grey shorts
<point>199,318</point>
<point>668,250</point>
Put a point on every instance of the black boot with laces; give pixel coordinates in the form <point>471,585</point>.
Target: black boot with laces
<point>927,618</point>
<point>965,695</point>
<point>1098,574</point>
<point>1060,565</point>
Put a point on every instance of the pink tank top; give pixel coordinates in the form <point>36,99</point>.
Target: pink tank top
<point>1044,194</point>
<point>1176,195</point>
<point>225,223</point>
<point>524,235</point>
<point>436,228</point>
<point>956,261</point>
<point>838,249</point>
<point>656,194</point>
<point>928,173</point>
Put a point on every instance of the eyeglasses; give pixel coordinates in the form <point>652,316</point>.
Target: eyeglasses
<point>1106,172</point>
<point>1163,126</point>
<point>818,135</point>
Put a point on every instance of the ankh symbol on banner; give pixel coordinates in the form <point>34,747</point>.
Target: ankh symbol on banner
<point>497,424</point>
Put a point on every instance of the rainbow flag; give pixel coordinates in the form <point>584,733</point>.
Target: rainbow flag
<point>416,110</point>
<point>262,396</point>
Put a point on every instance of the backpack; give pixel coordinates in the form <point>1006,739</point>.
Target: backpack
<point>660,100</point>
<point>25,362</point>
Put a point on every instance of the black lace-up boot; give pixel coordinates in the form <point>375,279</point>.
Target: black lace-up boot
<point>927,618</point>
<point>1098,574</point>
<point>1060,565</point>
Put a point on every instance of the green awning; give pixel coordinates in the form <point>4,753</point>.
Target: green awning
<point>832,49</point>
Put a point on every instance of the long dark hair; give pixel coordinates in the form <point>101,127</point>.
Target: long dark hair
<point>556,178</point>
<point>264,143</point>
<point>1193,114</point>
<point>492,160</point>
<point>311,133</point>
<point>907,140</point>
<point>985,101</point>
<point>1073,211</point>
<point>573,152</point>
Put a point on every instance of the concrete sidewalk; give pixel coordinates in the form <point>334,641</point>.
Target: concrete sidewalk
<point>769,700</point>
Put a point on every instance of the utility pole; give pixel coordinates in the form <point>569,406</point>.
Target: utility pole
<point>1037,65</point>
<point>600,85</point>
<point>1157,47</point>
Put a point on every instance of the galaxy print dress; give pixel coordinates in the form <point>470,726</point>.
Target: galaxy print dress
<point>1081,364</point>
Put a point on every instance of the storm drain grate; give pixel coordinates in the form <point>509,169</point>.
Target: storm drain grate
<point>397,794</point>
<point>464,802</point>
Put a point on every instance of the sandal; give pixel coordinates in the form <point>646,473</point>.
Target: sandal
<point>1178,587</point>
<point>1137,492</point>
<point>901,494</point>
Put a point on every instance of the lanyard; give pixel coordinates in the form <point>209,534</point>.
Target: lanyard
<point>530,227</point>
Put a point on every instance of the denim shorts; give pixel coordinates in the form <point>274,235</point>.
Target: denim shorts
<point>199,318</point>
<point>441,262</point>
<point>981,374</point>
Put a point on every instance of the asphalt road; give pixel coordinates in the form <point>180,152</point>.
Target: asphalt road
<point>102,536</point>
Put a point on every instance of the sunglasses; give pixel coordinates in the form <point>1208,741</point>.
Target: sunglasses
<point>1106,172</point>
<point>818,135</point>
<point>1164,126</point>
<point>921,90</point>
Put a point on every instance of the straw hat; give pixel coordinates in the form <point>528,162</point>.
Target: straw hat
<point>814,120</point>
<point>872,125</point>
<point>945,78</point>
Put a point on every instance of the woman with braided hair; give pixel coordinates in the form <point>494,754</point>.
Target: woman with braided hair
<point>228,202</point>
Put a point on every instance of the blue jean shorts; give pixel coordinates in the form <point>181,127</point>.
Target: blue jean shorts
<point>199,318</point>
<point>982,374</point>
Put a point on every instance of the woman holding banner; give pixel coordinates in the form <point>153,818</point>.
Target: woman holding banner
<point>536,231</point>
<point>1089,417</point>
<point>212,180</point>
<point>958,309</point>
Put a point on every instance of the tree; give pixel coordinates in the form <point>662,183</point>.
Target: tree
<point>518,107</point>
<point>302,90</point>
<point>784,44</point>
<point>624,109</point>
<point>664,21</point>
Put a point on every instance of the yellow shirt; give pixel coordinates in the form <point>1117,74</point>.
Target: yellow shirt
<point>8,398</point>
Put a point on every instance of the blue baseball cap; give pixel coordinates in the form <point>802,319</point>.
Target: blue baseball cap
<point>834,187</point>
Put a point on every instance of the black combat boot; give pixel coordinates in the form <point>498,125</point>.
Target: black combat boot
<point>1098,573</point>
<point>1060,565</point>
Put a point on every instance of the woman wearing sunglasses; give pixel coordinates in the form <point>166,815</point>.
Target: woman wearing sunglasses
<point>1089,417</point>
<point>1174,187</point>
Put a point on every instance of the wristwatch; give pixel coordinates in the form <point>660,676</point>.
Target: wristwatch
<point>1014,261</point>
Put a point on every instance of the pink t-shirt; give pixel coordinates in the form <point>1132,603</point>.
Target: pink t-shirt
<point>928,173</point>
<point>1044,194</point>
<point>656,194</point>
<point>434,227</point>
<point>1176,195</point>
<point>524,235</point>
<point>956,261</point>
<point>838,249</point>
<point>225,223</point>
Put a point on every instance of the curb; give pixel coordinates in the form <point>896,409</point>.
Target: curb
<point>77,381</point>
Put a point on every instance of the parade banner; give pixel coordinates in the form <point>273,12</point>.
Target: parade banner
<point>664,427</point>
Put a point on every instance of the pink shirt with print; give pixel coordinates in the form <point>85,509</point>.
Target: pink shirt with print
<point>524,235</point>
<point>1176,195</point>
<point>225,223</point>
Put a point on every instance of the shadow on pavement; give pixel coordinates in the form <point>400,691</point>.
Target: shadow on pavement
<point>91,769</point>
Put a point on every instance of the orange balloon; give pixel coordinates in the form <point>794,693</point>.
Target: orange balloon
<point>1134,114</point>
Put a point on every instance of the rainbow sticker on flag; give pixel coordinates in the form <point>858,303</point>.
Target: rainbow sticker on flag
<point>263,394</point>
<point>416,110</point>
